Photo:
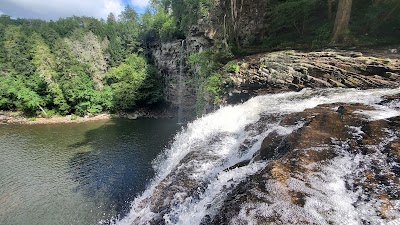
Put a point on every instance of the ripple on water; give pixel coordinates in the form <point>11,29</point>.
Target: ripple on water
<point>76,173</point>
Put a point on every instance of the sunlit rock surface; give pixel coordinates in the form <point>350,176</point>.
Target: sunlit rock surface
<point>328,156</point>
<point>293,70</point>
<point>339,168</point>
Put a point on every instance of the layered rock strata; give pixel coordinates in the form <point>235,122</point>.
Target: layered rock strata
<point>292,70</point>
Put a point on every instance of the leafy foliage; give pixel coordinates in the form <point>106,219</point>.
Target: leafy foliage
<point>81,65</point>
<point>232,67</point>
<point>208,81</point>
<point>376,21</point>
<point>310,22</point>
<point>76,65</point>
<point>125,80</point>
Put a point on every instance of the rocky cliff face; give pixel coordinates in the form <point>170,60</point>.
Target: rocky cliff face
<point>243,21</point>
<point>239,21</point>
<point>293,71</point>
<point>168,57</point>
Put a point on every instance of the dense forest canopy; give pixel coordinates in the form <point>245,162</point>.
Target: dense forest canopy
<point>317,21</point>
<point>82,65</point>
<point>76,65</point>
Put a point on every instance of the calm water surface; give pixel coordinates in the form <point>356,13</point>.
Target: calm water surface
<point>76,173</point>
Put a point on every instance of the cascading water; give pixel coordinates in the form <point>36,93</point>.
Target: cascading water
<point>215,153</point>
<point>181,84</point>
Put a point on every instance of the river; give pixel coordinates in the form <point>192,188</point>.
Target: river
<point>214,173</point>
<point>86,173</point>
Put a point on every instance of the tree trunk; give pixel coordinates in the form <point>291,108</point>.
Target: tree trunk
<point>44,112</point>
<point>392,11</point>
<point>342,21</point>
<point>236,12</point>
<point>330,2</point>
<point>225,40</point>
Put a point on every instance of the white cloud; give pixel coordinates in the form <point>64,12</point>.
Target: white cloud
<point>54,9</point>
<point>114,6</point>
<point>140,3</point>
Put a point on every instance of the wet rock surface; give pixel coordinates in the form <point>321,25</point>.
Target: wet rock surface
<point>334,138</point>
<point>167,57</point>
<point>309,157</point>
<point>292,71</point>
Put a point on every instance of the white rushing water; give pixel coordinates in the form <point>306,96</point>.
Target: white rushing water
<point>181,83</point>
<point>195,175</point>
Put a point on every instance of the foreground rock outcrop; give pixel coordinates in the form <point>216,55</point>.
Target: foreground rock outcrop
<point>293,71</point>
<point>337,145</point>
<point>323,156</point>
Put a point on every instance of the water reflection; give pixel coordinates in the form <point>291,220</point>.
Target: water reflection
<point>76,173</point>
<point>119,165</point>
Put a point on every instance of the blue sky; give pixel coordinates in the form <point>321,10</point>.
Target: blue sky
<point>54,9</point>
<point>138,5</point>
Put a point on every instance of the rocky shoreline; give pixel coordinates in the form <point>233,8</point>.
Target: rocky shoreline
<point>18,118</point>
<point>7,117</point>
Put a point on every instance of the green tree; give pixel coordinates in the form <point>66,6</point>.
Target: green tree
<point>45,64</point>
<point>128,15</point>
<point>157,26</point>
<point>43,59</point>
<point>89,50</point>
<point>81,95</point>
<point>128,30</point>
<point>115,49</point>
<point>14,94</point>
<point>340,30</point>
<point>4,67</point>
<point>125,81</point>
<point>17,52</point>
<point>151,90</point>
<point>61,65</point>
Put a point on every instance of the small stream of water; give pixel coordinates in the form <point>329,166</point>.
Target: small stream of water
<point>181,84</point>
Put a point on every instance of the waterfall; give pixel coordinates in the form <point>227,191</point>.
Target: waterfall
<point>215,153</point>
<point>181,84</point>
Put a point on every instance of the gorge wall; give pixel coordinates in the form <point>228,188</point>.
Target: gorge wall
<point>279,71</point>
<point>242,22</point>
<point>167,58</point>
